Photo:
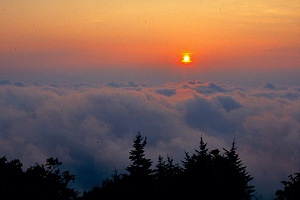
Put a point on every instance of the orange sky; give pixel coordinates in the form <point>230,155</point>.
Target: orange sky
<point>136,33</point>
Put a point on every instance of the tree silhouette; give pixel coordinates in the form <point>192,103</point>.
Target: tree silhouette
<point>166,178</point>
<point>198,174</point>
<point>112,188</point>
<point>37,182</point>
<point>235,178</point>
<point>11,179</point>
<point>204,174</point>
<point>140,164</point>
<point>140,177</point>
<point>46,181</point>
<point>137,182</point>
<point>216,176</point>
<point>291,190</point>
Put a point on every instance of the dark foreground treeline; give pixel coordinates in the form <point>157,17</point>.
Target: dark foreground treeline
<point>203,175</point>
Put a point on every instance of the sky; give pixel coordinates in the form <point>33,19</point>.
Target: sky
<point>245,42</point>
<point>78,79</point>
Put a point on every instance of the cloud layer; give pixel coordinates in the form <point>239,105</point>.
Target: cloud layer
<point>90,128</point>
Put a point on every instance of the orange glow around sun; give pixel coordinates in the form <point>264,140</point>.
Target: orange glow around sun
<point>186,58</point>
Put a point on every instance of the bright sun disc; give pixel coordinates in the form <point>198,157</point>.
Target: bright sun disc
<point>186,58</point>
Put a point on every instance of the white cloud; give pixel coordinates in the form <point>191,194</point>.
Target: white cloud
<point>91,128</point>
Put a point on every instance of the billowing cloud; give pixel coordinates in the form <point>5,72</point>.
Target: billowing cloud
<point>91,128</point>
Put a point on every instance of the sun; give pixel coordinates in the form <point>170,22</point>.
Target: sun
<point>186,58</point>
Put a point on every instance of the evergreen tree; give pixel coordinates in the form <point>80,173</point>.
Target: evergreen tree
<point>188,161</point>
<point>140,177</point>
<point>198,176</point>
<point>172,169</point>
<point>113,187</point>
<point>236,178</point>
<point>115,180</point>
<point>160,174</point>
<point>167,178</point>
<point>141,166</point>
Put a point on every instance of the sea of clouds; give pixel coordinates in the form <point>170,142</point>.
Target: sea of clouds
<point>91,128</point>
